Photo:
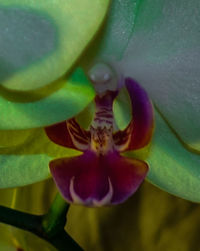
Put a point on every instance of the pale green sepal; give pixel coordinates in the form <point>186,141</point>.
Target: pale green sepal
<point>163,56</point>
<point>172,167</point>
<point>112,40</point>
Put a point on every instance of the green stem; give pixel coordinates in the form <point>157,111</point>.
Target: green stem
<point>53,224</point>
<point>21,220</point>
<point>49,227</point>
<point>55,219</point>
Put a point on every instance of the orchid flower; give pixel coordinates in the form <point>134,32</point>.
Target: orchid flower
<point>43,82</point>
<point>101,176</point>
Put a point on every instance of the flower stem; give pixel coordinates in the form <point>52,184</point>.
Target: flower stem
<point>49,227</point>
<point>21,220</point>
<point>55,219</point>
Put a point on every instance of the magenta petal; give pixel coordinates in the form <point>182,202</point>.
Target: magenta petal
<point>97,180</point>
<point>139,132</point>
<point>59,134</point>
<point>69,134</point>
<point>82,180</point>
<point>126,176</point>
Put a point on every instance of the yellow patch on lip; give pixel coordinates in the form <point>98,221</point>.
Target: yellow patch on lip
<point>101,140</point>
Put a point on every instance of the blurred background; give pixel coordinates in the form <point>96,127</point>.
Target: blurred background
<point>151,220</point>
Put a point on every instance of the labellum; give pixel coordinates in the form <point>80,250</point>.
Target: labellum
<point>101,175</point>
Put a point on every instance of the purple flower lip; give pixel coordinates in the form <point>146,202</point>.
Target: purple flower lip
<point>101,176</point>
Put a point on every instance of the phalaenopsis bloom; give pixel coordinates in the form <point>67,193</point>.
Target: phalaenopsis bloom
<point>101,175</point>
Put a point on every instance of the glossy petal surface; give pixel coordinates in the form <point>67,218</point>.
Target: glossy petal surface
<point>140,130</point>
<point>163,55</point>
<point>75,94</point>
<point>97,180</point>
<point>29,59</point>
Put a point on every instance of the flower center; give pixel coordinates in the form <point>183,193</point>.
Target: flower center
<point>101,129</point>
<point>104,78</point>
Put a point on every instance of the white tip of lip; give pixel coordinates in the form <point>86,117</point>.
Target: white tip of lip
<point>75,198</point>
<point>91,201</point>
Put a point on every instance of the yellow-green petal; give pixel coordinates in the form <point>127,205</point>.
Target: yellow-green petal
<point>41,40</point>
<point>74,95</point>
<point>9,138</point>
<point>29,163</point>
<point>25,200</point>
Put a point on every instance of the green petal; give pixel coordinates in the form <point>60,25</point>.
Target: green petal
<point>76,93</point>
<point>163,55</point>
<point>41,40</point>
<point>28,163</point>
<point>172,167</point>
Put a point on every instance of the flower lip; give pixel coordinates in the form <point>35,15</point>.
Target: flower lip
<point>97,181</point>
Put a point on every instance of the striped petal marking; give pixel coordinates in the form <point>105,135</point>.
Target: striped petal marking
<point>101,176</point>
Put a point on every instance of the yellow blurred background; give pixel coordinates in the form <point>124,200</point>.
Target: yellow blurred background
<point>151,220</point>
